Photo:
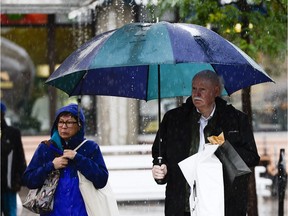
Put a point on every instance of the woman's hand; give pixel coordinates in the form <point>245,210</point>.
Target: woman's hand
<point>60,162</point>
<point>70,154</point>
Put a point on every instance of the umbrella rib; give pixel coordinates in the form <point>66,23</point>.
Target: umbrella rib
<point>222,80</point>
<point>80,84</point>
<point>147,83</point>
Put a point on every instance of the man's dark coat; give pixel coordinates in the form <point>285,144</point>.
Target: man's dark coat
<point>12,158</point>
<point>176,133</point>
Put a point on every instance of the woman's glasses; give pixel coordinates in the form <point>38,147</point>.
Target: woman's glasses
<point>68,124</point>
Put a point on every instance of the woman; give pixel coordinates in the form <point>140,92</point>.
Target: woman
<point>67,133</point>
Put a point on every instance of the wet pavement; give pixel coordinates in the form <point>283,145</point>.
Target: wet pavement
<point>266,207</point>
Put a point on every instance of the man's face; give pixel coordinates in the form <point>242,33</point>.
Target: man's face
<point>203,93</point>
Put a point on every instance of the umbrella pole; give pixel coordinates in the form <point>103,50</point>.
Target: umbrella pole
<point>159,181</point>
<point>159,116</point>
<point>79,108</point>
<point>80,97</point>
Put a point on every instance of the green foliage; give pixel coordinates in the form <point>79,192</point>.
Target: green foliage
<point>268,20</point>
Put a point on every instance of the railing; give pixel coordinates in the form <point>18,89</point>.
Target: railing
<point>130,173</point>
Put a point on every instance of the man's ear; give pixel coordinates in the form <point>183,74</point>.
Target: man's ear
<point>217,91</point>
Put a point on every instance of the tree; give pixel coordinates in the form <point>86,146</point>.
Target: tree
<point>263,22</point>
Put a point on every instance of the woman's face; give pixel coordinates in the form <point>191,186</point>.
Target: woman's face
<point>67,126</point>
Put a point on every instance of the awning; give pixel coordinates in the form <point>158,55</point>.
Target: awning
<point>45,6</point>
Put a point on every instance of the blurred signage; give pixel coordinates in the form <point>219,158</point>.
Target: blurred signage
<point>42,19</point>
<point>6,82</point>
<point>23,19</point>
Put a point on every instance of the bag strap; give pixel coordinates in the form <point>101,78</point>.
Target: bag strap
<point>80,145</point>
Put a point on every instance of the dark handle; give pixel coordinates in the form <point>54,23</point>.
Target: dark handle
<point>160,181</point>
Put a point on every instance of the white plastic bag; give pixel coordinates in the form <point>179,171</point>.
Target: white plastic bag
<point>203,172</point>
<point>19,204</point>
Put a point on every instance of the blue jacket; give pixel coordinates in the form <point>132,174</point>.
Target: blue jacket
<point>89,161</point>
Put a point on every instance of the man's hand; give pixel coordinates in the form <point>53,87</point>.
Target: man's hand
<point>159,172</point>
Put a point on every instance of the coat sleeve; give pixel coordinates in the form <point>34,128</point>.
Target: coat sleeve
<point>19,158</point>
<point>39,167</point>
<point>90,162</point>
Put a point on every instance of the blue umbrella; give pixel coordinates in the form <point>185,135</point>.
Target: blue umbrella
<point>125,62</point>
<point>153,61</point>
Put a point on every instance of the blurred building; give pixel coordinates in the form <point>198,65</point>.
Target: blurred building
<point>17,76</point>
<point>112,120</point>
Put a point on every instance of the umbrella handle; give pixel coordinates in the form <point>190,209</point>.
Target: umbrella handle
<point>159,162</point>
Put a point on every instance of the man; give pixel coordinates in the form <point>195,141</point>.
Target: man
<point>13,165</point>
<point>184,131</point>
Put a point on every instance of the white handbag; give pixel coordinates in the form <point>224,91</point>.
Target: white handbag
<point>98,202</point>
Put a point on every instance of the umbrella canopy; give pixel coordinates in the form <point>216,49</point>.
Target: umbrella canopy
<point>140,60</point>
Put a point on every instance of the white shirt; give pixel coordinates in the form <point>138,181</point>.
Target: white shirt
<point>203,122</point>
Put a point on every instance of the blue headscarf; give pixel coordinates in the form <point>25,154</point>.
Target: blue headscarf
<point>3,107</point>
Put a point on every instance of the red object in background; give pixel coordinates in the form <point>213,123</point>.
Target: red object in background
<point>23,19</point>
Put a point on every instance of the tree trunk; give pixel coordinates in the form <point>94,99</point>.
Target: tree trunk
<point>252,195</point>
<point>247,108</point>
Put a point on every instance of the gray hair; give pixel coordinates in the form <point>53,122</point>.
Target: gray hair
<point>212,77</point>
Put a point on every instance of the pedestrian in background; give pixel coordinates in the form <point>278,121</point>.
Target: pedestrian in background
<point>184,131</point>
<point>13,165</point>
<point>67,133</point>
